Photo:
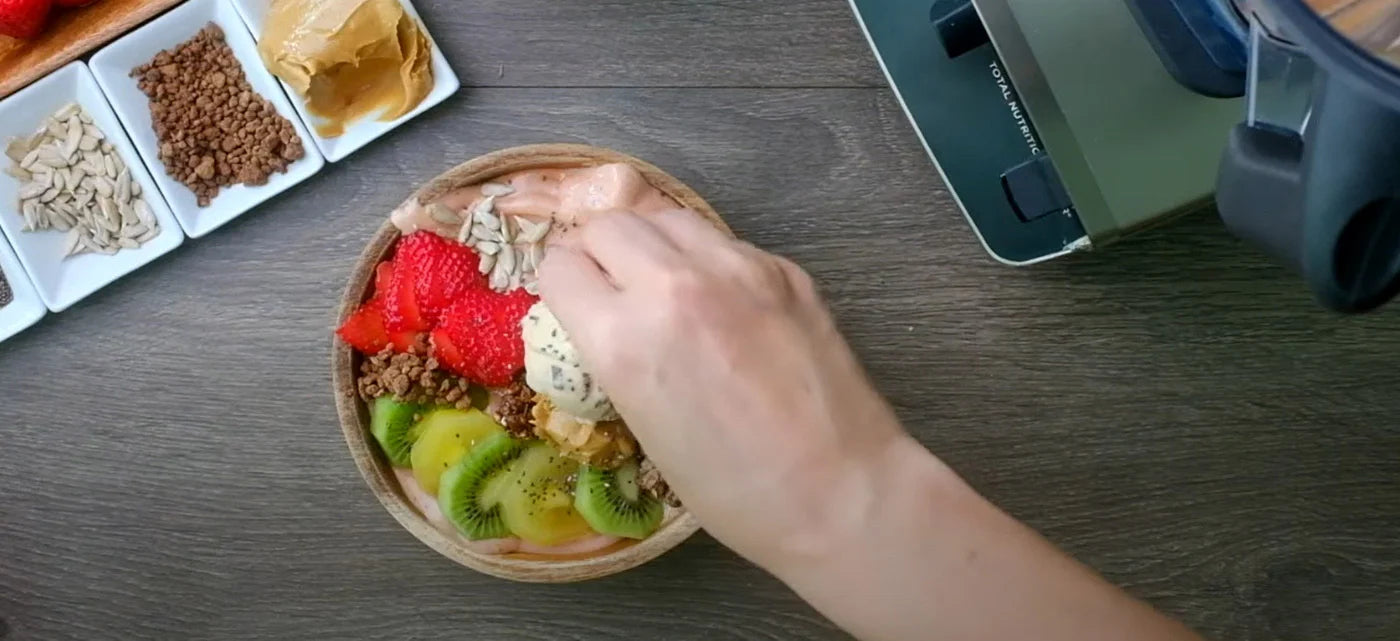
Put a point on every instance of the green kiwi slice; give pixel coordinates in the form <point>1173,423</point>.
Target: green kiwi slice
<point>471,491</point>
<point>392,423</point>
<point>612,503</point>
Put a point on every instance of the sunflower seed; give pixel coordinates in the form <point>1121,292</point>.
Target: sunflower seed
<point>30,159</point>
<point>487,262</point>
<point>17,149</point>
<point>94,133</point>
<point>146,237</point>
<point>87,143</point>
<point>487,218</point>
<point>19,173</point>
<point>53,156</point>
<point>485,206</point>
<point>500,277</point>
<point>464,235</point>
<point>58,182</point>
<point>536,256</point>
<point>533,288</point>
<point>506,235</point>
<point>507,258</point>
<point>443,214</point>
<point>54,128</point>
<point>117,163</point>
<point>480,232</point>
<point>127,243</point>
<point>143,212</point>
<point>74,138</point>
<point>32,190</point>
<point>67,111</point>
<point>109,166</point>
<point>124,186</point>
<point>134,231</point>
<point>496,189</point>
<point>104,187</point>
<point>488,248</point>
<point>135,189</point>
<point>48,195</point>
<point>72,242</point>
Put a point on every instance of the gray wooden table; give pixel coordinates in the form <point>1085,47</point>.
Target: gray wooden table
<point>1173,411</point>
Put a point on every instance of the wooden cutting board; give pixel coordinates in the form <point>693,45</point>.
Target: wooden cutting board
<point>70,34</point>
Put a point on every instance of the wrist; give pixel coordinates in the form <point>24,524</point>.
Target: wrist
<point>870,496</point>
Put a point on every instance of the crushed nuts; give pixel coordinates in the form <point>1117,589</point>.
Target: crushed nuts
<point>214,130</point>
<point>650,481</point>
<point>513,410</point>
<point>414,378</point>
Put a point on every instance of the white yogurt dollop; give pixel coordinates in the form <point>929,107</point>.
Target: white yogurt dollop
<point>552,368</point>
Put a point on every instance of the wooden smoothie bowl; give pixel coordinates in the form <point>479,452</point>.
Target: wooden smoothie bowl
<point>676,526</point>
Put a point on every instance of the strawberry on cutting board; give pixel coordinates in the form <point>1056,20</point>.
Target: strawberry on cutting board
<point>23,18</point>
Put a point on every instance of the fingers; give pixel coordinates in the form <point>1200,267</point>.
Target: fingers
<point>627,247</point>
<point>575,288</point>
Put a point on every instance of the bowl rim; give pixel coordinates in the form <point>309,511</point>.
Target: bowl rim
<point>353,414</point>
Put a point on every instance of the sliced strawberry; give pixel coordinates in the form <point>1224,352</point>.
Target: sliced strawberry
<point>383,276</point>
<point>479,337</point>
<point>444,269</point>
<point>364,330</point>
<point>406,341</point>
<point>401,310</point>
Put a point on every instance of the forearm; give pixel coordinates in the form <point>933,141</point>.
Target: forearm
<point>933,560</point>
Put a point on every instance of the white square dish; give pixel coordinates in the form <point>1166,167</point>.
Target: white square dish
<point>366,130</point>
<point>26,308</point>
<point>60,281</point>
<point>112,66</point>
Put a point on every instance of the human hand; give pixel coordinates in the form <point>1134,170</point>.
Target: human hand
<point>730,371</point>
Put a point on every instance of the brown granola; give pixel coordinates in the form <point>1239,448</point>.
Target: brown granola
<point>413,378</point>
<point>514,407</point>
<point>650,481</point>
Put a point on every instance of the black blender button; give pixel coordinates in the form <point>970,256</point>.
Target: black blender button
<point>958,25</point>
<point>1034,189</point>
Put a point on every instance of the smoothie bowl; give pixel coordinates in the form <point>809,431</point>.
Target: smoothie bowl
<point>467,410</point>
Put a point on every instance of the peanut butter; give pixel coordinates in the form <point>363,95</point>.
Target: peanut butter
<point>348,59</point>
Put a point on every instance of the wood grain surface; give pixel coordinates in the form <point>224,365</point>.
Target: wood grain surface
<point>70,34</point>
<point>1173,411</point>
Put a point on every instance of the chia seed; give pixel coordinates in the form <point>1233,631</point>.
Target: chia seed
<point>6,296</point>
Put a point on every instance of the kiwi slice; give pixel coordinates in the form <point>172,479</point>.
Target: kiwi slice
<point>392,423</point>
<point>612,503</point>
<point>471,491</point>
<point>446,436</point>
<point>539,504</point>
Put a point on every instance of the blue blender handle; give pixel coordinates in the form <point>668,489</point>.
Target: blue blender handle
<point>1201,43</point>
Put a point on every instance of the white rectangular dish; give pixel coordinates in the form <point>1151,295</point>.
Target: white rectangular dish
<point>26,308</point>
<point>60,281</point>
<point>112,66</point>
<point>364,131</point>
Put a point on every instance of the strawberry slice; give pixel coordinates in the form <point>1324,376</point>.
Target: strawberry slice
<point>443,270</point>
<point>401,310</point>
<point>405,341</point>
<point>479,337</point>
<point>383,277</point>
<point>364,330</point>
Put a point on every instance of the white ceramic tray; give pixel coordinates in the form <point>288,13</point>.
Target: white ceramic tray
<point>26,308</point>
<point>362,132</point>
<point>62,282</point>
<point>112,66</point>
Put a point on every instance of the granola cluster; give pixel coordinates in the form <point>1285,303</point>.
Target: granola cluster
<point>414,378</point>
